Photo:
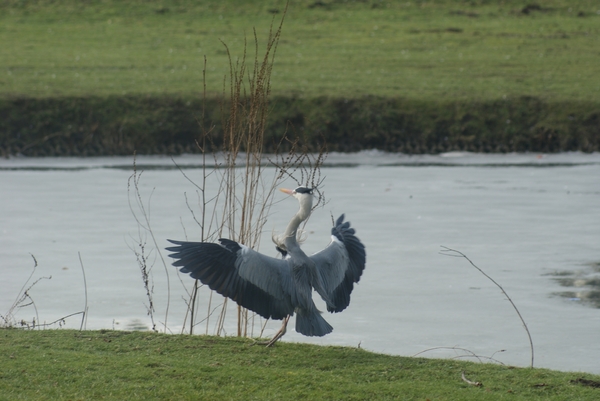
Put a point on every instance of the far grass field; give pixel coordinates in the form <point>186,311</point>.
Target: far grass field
<point>116,365</point>
<point>412,49</point>
<point>105,77</point>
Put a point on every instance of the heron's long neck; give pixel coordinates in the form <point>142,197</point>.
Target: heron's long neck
<point>292,228</point>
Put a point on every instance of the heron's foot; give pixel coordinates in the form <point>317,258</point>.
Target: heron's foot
<point>280,333</point>
<point>277,335</point>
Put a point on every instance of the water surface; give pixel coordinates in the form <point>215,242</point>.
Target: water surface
<point>532,222</point>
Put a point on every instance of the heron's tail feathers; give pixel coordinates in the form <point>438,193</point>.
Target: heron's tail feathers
<point>311,323</point>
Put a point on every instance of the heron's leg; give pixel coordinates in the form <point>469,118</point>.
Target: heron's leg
<point>277,335</point>
<point>281,331</point>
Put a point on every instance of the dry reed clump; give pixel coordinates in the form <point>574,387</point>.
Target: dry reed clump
<point>239,206</point>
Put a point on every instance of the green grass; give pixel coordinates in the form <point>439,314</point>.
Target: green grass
<point>67,365</point>
<point>104,77</point>
<point>418,50</point>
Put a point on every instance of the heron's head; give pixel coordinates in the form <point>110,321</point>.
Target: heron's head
<point>304,196</point>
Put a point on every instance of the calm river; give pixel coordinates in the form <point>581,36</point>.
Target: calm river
<point>531,222</point>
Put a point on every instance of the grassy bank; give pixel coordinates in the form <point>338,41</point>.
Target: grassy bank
<point>411,76</point>
<point>92,126</point>
<point>62,364</point>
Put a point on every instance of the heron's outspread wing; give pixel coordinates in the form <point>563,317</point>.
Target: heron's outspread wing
<point>255,281</point>
<point>340,265</point>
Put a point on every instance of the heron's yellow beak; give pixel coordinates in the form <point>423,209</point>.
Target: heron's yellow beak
<point>287,191</point>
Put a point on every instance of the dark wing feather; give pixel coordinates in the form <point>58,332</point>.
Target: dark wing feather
<point>256,282</point>
<point>340,265</point>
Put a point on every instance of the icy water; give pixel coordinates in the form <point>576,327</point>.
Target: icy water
<point>531,222</point>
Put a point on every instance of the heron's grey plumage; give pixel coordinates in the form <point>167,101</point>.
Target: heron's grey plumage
<point>340,265</point>
<point>255,281</point>
<point>275,288</point>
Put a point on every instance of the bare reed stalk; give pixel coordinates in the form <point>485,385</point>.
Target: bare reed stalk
<point>203,201</point>
<point>146,270</point>
<point>454,253</point>
<point>247,197</point>
<point>85,308</point>
<point>141,214</point>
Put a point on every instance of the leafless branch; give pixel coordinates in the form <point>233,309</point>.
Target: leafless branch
<point>454,253</point>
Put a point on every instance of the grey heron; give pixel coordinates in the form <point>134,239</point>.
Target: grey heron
<point>277,288</point>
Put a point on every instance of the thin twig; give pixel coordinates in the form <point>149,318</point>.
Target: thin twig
<point>85,309</point>
<point>146,226</point>
<point>470,354</point>
<point>22,290</point>
<point>454,253</point>
<point>62,319</point>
